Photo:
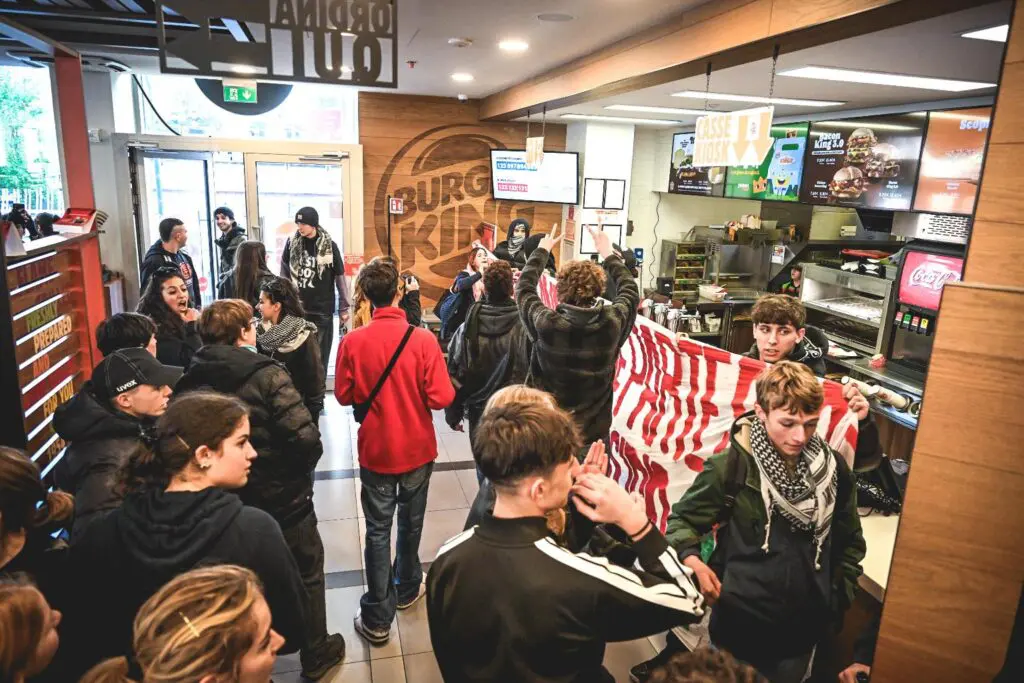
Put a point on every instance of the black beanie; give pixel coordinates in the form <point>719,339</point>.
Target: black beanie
<point>224,211</point>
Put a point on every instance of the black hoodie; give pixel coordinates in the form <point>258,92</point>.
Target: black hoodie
<point>283,432</point>
<point>228,244</point>
<point>101,438</point>
<point>126,555</point>
<point>489,351</point>
<point>157,257</point>
<point>502,251</point>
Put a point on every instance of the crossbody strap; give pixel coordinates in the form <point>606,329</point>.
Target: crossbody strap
<point>389,368</point>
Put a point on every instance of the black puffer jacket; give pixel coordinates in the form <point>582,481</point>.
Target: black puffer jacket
<point>177,348</point>
<point>575,349</point>
<point>489,351</point>
<point>101,439</point>
<point>283,432</point>
<point>126,555</point>
<point>300,355</point>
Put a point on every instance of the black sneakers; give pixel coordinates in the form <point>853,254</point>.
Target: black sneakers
<point>327,656</point>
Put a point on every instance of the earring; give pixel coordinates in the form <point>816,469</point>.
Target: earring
<point>204,465</point>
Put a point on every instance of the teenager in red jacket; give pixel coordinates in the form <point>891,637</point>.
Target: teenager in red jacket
<point>397,443</point>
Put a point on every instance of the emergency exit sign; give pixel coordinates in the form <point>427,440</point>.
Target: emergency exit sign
<point>240,92</point>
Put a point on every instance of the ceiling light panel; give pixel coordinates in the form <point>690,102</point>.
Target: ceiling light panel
<point>621,119</point>
<point>827,73</point>
<point>674,111</point>
<point>728,97</point>
<point>997,34</point>
<point>514,45</point>
<point>462,77</point>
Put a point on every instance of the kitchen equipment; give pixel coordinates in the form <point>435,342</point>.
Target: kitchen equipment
<point>853,310</point>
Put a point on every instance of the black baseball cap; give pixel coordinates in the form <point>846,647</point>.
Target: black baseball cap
<point>307,215</point>
<point>126,369</point>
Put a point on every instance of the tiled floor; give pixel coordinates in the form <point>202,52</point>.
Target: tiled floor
<point>408,656</point>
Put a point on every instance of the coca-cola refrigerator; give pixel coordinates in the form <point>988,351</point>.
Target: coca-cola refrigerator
<point>925,269</point>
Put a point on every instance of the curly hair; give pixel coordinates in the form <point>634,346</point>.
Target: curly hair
<point>705,665</point>
<point>779,309</point>
<point>498,282</point>
<point>580,283</point>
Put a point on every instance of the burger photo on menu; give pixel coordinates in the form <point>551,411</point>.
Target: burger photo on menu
<point>868,162</point>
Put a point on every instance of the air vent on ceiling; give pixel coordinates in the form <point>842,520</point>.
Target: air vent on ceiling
<point>934,227</point>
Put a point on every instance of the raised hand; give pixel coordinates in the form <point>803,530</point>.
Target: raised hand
<point>602,241</point>
<point>549,241</point>
<point>596,461</point>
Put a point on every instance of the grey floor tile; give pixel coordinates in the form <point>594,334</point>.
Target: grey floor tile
<point>341,545</point>
<point>393,648</point>
<point>334,499</point>
<point>388,670</point>
<point>620,657</point>
<point>438,527</point>
<point>286,663</point>
<point>469,484</point>
<point>458,447</point>
<point>445,492</point>
<point>422,668</point>
<point>412,623</point>
<point>349,672</point>
<point>342,604</point>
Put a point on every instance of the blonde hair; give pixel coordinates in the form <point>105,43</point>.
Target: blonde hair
<point>22,626</point>
<point>199,624</point>
<point>791,386</point>
<point>520,394</point>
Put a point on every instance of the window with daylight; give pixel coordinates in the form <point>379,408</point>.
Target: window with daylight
<point>310,113</point>
<point>29,157</point>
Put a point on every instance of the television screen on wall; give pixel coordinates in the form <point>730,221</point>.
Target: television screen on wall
<point>778,177</point>
<point>954,150</point>
<point>556,180</point>
<point>684,178</point>
<point>868,162</point>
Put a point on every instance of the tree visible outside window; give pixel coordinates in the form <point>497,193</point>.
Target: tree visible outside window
<point>29,162</point>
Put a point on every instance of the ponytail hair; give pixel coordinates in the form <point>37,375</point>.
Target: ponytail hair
<point>24,502</point>
<point>22,625</point>
<point>202,418</point>
<point>199,624</point>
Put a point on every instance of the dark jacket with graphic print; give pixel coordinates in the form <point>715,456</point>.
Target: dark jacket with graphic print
<point>317,288</point>
<point>158,257</point>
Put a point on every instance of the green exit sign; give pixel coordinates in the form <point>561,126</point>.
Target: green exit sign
<point>240,92</point>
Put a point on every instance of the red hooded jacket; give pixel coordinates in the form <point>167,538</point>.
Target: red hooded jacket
<point>397,435</point>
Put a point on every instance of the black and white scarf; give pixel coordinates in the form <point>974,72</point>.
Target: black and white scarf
<point>270,339</point>
<point>324,254</point>
<point>515,244</point>
<point>807,498</point>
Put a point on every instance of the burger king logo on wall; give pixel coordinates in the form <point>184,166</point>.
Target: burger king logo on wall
<point>444,177</point>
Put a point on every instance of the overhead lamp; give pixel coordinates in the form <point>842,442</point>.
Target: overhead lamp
<point>828,73</point>
<point>997,34</point>
<point>462,77</point>
<point>658,110</point>
<point>514,45</point>
<point>728,97</point>
<point>621,119</point>
<point>244,69</point>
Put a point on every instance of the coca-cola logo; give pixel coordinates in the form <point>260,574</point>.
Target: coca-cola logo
<point>933,276</point>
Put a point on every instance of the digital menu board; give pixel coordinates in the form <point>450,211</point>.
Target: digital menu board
<point>779,175</point>
<point>555,180</point>
<point>684,178</point>
<point>869,162</point>
<point>951,162</point>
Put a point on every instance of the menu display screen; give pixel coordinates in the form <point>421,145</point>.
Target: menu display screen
<point>923,277</point>
<point>779,175</point>
<point>951,162</point>
<point>684,178</point>
<point>870,162</point>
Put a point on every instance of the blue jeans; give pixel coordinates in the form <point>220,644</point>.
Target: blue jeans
<point>388,584</point>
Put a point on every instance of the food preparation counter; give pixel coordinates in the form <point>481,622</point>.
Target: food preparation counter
<point>880,537</point>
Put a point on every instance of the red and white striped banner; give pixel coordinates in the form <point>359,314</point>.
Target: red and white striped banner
<point>674,404</point>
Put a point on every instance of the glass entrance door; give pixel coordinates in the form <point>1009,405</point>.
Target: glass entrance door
<point>177,185</point>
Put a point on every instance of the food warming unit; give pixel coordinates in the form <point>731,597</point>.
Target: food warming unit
<point>853,310</point>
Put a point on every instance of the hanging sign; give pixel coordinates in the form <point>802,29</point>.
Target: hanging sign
<point>347,42</point>
<point>735,138</point>
<point>534,153</point>
<point>240,92</point>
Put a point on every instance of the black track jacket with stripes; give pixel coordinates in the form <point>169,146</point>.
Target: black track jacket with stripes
<point>506,603</point>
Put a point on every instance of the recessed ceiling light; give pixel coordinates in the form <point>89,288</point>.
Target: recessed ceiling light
<point>657,110</point>
<point>827,73</point>
<point>461,77</point>
<point>997,34</point>
<point>727,97</point>
<point>243,69</point>
<point>620,119</point>
<point>514,45</point>
<point>555,16</point>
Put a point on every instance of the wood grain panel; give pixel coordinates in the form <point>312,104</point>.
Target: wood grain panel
<point>959,558</point>
<point>1015,50</point>
<point>995,253</point>
<point>1009,119</point>
<point>61,350</point>
<point>435,154</point>
<point>38,293</point>
<point>790,15</point>
<point>25,272</point>
<point>1001,196</point>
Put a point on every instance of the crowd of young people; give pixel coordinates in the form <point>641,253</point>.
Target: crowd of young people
<point>187,485</point>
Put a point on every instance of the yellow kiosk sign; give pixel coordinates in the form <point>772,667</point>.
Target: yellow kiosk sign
<point>735,138</point>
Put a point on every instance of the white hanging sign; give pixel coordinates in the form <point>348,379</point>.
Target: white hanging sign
<point>735,138</point>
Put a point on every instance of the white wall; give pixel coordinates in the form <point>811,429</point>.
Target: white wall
<point>676,214</point>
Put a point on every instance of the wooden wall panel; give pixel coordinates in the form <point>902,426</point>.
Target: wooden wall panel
<point>435,154</point>
<point>959,560</point>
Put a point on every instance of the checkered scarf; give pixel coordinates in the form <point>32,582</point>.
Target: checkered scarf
<point>807,498</point>
<point>324,253</point>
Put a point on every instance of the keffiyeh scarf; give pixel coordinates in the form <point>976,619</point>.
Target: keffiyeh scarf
<point>270,339</point>
<point>807,498</point>
<point>324,254</point>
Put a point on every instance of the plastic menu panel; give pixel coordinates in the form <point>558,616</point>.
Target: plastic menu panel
<point>869,162</point>
<point>779,176</point>
<point>954,150</point>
